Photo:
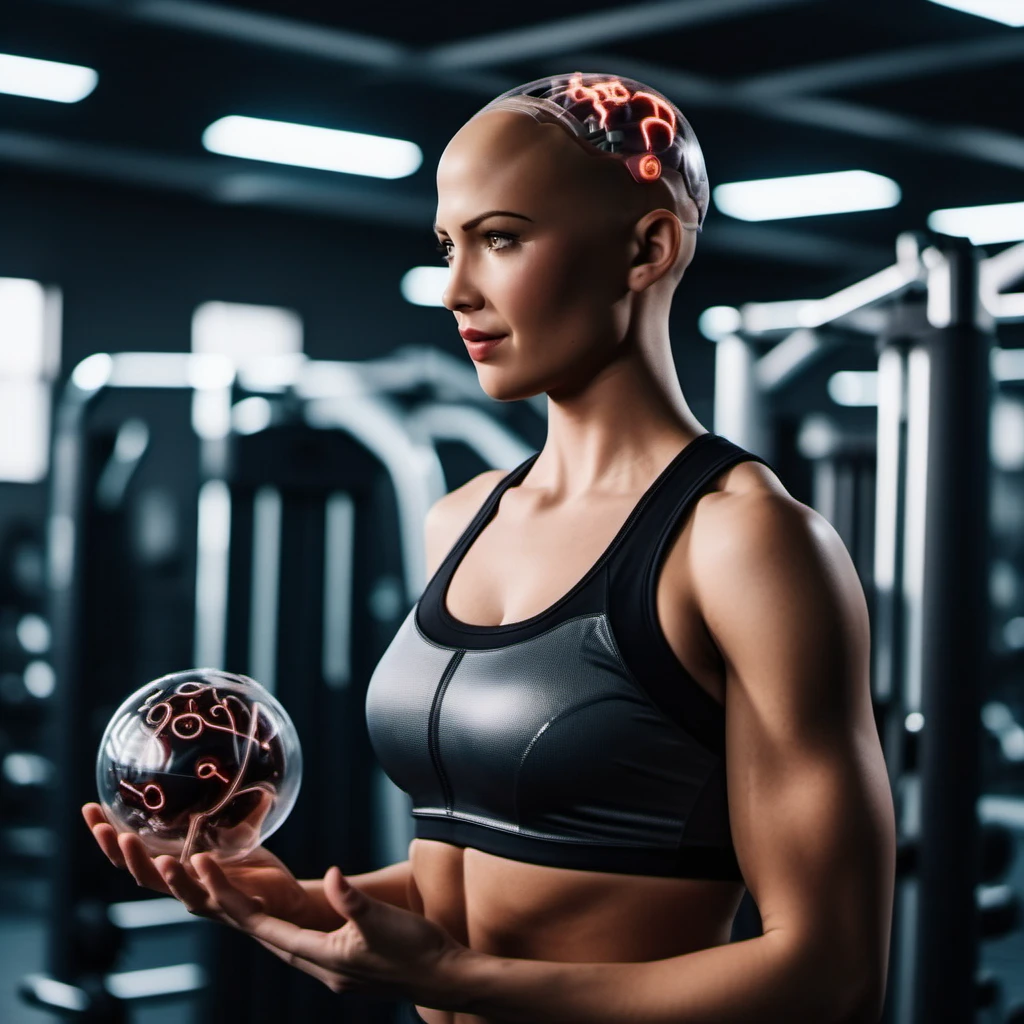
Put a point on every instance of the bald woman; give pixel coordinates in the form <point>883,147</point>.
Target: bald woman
<point>637,682</point>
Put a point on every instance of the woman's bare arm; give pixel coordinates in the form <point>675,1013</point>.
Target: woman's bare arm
<point>809,803</point>
<point>389,884</point>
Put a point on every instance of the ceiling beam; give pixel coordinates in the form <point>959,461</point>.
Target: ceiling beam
<point>889,66</point>
<point>243,182</point>
<point>773,243</point>
<point>360,50</point>
<point>596,28</point>
<point>289,35</point>
<point>356,49</point>
<point>218,179</point>
<point>972,142</point>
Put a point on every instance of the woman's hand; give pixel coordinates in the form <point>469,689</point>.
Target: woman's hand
<point>259,875</point>
<point>380,949</point>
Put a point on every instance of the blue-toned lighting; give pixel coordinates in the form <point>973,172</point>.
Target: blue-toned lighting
<point>983,225</point>
<point>93,372</point>
<point>303,145</point>
<point>424,286</point>
<point>1009,12</point>
<point>854,387</point>
<point>807,195</point>
<point>45,79</point>
<point>716,322</point>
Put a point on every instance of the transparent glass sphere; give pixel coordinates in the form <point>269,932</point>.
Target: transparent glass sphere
<point>198,761</point>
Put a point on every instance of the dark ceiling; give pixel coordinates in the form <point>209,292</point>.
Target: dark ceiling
<point>929,96</point>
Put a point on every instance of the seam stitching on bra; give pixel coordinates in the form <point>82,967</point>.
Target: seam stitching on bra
<point>434,727</point>
<point>642,690</point>
<point>531,833</point>
<point>566,713</point>
<point>506,646</point>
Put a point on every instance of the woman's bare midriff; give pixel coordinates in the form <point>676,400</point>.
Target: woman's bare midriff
<point>529,911</point>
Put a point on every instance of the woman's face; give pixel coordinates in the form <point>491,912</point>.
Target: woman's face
<point>548,271</point>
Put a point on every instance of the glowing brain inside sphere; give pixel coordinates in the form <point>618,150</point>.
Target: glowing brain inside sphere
<point>199,761</point>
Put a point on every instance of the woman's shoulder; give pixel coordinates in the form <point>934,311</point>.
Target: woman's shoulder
<point>452,513</point>
<point>749,479</point>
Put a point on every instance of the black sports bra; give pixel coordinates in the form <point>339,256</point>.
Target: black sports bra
<point>574,738</point>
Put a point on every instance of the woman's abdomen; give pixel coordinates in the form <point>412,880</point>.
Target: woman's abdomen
<point>508,908</point>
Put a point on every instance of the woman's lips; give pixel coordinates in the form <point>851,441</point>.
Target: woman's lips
<point>474,334</point>
<point>480,349</point>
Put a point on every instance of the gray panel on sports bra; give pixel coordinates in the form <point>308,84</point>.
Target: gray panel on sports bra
<point>548,737</point>
<point>398,703</point>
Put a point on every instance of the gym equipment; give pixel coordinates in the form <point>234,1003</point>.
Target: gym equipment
<point>318,482</point>
<point>26,694</point>
<point>199,761</point>
<point>272,520</point>
<point>121,576</point>
<point>931,317</point>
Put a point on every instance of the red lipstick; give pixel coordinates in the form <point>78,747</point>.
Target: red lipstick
<point>480,343</point>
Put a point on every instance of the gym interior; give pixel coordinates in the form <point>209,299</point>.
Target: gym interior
<point>230,392</point>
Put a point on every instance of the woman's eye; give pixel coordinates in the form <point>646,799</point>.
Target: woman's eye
<point>446,253</point>
<point>500,237</point>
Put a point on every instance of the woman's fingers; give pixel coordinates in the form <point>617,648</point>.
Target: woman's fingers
<point>104,834</point>
<point>184,887</point>
<point>249,915</point>
<point>140,863</point>
<point>93,814</point>
<point>164,874</point>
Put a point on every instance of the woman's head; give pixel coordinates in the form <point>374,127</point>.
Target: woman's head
<point>619,116</point>
<point>585,251</point>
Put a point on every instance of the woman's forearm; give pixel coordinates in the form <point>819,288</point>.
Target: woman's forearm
<point>389,884</point>
<point>756,980</point>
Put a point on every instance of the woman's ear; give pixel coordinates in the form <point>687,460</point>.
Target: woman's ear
<point>658,236</point>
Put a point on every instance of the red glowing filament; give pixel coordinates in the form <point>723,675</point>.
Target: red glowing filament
<point>190,724</point>
<point>208,769</point>
<point>611,93</point>
<point>644,166</point>
<point>151,791</point>
<point>182,717</point>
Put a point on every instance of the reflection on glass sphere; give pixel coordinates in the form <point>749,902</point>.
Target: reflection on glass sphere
<point>198,761</point>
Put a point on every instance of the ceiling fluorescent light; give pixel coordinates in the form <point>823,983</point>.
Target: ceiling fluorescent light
<point>983,225</point>
<point>1009,12</point>
<point>424,286</point>
<point>45,79</point>
<point>327,149</point>
<point>807,195</point>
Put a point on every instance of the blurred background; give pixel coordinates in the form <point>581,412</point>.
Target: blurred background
<point>229,394</point>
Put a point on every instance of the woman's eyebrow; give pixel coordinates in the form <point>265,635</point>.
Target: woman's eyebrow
<point>490,213</point>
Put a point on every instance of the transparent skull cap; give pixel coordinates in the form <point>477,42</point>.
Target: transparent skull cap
<point>621,116</point>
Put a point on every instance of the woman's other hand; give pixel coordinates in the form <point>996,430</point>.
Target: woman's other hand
<point>260,875</point>
<point>381,949</point>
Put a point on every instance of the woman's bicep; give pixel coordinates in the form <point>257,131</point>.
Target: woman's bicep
<point>809,799</point>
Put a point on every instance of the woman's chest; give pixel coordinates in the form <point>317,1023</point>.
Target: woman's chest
<point>522,563</point>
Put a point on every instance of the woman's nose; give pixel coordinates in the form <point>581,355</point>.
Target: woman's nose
<point>460,292</point>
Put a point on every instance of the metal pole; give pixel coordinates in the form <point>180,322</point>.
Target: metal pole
<point>740,415</point>
<point>946,565</point>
